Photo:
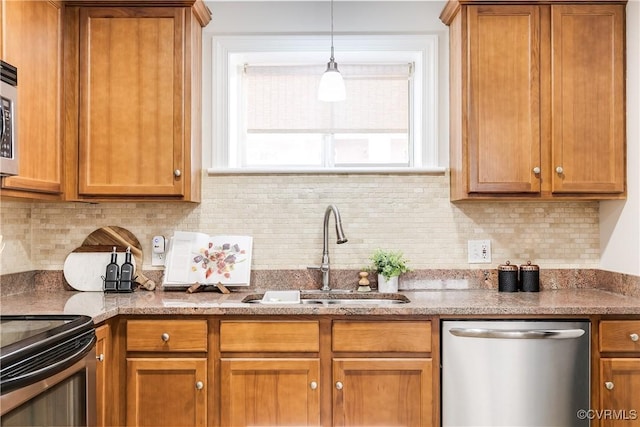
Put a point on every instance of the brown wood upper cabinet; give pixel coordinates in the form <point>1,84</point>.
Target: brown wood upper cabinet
<point>537,100</point>
<point>132,96</point>
<point>31,40</point>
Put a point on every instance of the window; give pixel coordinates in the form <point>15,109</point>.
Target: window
<point>267,115</point>
<point>282,123</point>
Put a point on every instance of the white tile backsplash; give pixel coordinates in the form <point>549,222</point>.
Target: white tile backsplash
<point>284,214</point>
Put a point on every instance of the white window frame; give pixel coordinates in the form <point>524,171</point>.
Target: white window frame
<point>349,48</point>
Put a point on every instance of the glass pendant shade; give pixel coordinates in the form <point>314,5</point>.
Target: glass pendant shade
<point>331,87</point>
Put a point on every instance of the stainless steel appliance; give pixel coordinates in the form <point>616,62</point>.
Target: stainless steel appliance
<point>515,373</point>
<point>47,371</point>
<point>8,127</point>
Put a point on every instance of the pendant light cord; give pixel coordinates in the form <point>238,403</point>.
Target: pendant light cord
<point>332,31</point>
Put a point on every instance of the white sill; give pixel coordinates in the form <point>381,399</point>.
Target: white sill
<point>328,171</point>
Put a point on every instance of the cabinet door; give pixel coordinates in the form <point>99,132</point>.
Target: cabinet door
<point>132,101</point>
<point>166,392</point>
<point>503,140</point>
<point>103,372</point>
<point>31,40</point>
<point>588,125</point>
<point>382,392</point>
<point>270,392</point>
<point>620,391</point>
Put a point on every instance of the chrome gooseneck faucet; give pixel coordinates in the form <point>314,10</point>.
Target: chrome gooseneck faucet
<point>324,267</point>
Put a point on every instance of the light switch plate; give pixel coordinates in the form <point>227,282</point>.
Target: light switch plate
<point>479,251</point>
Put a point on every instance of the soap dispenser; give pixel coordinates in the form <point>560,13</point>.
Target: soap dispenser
<point>126,273</point>
<point>112,273</point>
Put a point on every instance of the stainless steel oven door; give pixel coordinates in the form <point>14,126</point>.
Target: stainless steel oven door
<point>66,398</point>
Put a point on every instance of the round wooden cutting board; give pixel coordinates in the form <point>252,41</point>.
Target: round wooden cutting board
<point>86,264</point>
<point>115,236</point>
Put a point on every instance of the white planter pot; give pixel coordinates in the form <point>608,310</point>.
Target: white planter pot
<point>387,286</point>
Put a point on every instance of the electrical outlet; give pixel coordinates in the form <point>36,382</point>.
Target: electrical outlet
<point>158,247</point>
<point>479,251</point>
<point>157,260</point>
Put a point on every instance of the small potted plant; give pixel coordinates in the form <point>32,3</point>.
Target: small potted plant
<point>389,265</point>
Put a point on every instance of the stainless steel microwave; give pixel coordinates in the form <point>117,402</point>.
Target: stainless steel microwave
<point>8,129</point>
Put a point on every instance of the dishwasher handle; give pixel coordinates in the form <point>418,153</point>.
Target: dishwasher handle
<point>518,334</point>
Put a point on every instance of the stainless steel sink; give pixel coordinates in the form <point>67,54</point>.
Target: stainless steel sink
<point>340,299</point>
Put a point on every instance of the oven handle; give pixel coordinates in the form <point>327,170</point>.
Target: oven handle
<point>60,365</point>
<point>3,124</point>
<point>558,334</point>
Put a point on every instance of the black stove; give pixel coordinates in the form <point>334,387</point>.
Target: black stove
<point>35,347</point>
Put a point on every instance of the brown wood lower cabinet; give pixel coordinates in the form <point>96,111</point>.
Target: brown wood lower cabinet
<point>619,378</point>
<point>103,372</point>
<point>382,373</point>
<point>274,371</point>
<point>620,392</point>
<point>382,392</point>
<point>270,391</point>
<point>167,381</point>
<point>326,372</point>
<point>166,392</point>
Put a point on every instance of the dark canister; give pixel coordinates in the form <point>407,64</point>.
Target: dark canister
<point>508,277</point>
<point>530,277</point>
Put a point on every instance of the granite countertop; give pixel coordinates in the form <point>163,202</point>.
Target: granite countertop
<point>446,303</point>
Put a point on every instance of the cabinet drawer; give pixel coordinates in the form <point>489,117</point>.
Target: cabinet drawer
<point>620,335</point>
<point>269,336</point>
<point>398,336</point>
<point>167,335</point>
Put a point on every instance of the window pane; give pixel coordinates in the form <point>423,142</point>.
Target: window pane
<point>368,149</point>
<point>284,98</point>
<point>284,123</point>
<point>283,150</point>
<point>373,104</point>
<point>280,98</point>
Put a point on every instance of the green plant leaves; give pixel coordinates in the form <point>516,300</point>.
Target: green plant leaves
<point>389,263</point>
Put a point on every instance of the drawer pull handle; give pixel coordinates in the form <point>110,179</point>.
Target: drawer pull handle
<point>339,385</point>
<point>100,357</point>
<point>559,170</point>
<point>609,385</point>
<point>313,385</point>
<point>536,170</point>
<point>634,337</point>
<point>165,337</point>
<point>199,385</point>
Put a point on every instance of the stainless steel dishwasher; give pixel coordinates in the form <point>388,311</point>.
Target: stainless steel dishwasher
<point>515,373</point>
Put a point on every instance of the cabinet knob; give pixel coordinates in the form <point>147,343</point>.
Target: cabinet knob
<point>559,170</point>
<point>339,385</point>
<point>536,170</point>
<point>199,385</point>
<point>634,337</point>
<point>100,357</point>
<point>177,173</point>
<point>165,337</point>
<point>609,385</point>
<point>313,385</point>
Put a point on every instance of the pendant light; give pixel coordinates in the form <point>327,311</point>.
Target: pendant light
<point>331,88</point>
